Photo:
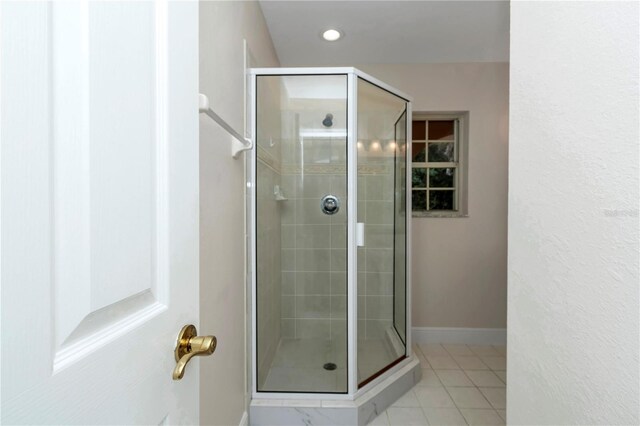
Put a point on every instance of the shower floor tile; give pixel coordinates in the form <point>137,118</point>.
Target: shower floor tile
<point>373,355</point>
<point>284,379</point>
<point>298,366</point>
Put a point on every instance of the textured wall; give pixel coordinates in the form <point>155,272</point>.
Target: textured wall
<point>223,26</point>
<point>460,264</point>
<point>573,324</point>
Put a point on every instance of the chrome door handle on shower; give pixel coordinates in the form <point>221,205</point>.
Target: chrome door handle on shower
<point>330,204</point>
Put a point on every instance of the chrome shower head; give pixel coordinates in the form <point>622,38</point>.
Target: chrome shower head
<point>328,120</point>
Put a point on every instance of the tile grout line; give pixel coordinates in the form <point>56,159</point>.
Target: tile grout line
<point>450,354</point>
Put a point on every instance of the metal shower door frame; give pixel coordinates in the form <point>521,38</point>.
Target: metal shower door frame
<point>352,196</point>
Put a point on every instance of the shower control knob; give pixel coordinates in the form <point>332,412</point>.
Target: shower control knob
<point>330,204</point>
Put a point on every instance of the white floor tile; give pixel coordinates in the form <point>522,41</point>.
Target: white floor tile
<point>484,350</point>
<point>423,361</point>
<point>406,416</point>
<point>468,397</point>
<point>482,417</point>
<point>433,349</point>
<point>461,384</point>
<point>484,378</point>
<point>444,416</point>
<point>407,400</point>
<point>381,420</point>
<point>433,397</point>
<point>442,362</point>
<point>430,379</point>
<point>458,350</point>
<point>470,362</point>
<point>495,362</point>
<point>497,397</point>
<point>453,378</point>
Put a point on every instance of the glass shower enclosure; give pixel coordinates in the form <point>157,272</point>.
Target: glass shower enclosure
<point>328,214</point>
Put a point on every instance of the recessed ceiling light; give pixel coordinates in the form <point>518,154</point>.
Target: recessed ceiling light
<point>332,35</point>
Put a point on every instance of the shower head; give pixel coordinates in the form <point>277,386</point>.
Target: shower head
<point>328,120</point>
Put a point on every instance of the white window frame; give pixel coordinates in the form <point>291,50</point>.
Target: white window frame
<point>460,164</point>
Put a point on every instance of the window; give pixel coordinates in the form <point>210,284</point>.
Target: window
<point>437,170</point>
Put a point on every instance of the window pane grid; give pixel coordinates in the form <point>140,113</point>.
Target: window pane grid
<point>434,140</point>
<point>427,164</point>
<point>435,183</point>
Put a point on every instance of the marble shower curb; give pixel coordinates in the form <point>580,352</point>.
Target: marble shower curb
<point>358,412</point>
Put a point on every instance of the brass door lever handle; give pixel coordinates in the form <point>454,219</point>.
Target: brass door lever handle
<point>190,345</point>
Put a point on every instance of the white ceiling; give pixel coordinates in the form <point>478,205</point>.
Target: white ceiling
<point>388,31</point>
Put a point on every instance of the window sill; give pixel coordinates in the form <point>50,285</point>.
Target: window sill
<point>446,215</point>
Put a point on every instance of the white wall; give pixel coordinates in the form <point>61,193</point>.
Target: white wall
<point>460,264</point>
<point>223,26</point>
<point>573,325</point>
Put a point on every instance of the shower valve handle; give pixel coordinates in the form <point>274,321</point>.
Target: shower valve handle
<point>330,204</point>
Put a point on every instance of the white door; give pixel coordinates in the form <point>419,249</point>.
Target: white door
<point>99,222</point>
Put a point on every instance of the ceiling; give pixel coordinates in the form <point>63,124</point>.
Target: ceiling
<point>388,31</point>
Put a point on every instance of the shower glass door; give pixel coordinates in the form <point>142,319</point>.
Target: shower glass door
<point>301,233</point>
<point>400,229</point>
<point>381,197</point>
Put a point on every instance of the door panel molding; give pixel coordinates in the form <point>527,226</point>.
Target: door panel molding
<point>100,210</point>
<point>99,148</point>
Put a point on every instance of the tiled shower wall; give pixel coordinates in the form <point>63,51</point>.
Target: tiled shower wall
<point>268,267</point>
<point>314,244</point>
<point>314,254</point>
<point>268,274</point>
<point>375,259</point>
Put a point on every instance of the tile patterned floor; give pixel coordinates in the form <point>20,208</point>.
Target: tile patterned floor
<point>461,385</point>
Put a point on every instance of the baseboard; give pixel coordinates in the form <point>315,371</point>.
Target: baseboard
<point>455,335</point>
<point>244,420</point>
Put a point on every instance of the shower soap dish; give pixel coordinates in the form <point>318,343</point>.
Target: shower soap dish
<point>277,192</point>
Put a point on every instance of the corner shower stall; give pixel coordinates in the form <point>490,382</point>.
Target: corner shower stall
<point>329,214</point>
